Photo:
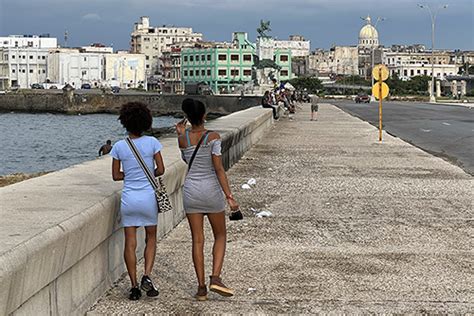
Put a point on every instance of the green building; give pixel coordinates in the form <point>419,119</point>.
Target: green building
<point>227,67</point>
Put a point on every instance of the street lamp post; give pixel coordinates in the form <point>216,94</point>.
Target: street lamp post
<point>373,49</point>
<point>433,16</point>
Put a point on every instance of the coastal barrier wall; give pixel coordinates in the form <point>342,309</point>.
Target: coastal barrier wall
<point>93,102</point>
<point>60,241</point>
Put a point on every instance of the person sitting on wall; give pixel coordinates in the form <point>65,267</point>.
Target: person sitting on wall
<point>267,103</point>
<point>106,148</point>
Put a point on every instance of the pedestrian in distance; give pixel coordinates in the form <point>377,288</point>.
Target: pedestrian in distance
<point>206,190</point>
<point>106,148</point>
<point>267,103</point>
<point>138,207</point>
<point>314,107</point>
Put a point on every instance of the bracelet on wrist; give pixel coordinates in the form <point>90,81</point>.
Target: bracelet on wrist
<point>229,197</point>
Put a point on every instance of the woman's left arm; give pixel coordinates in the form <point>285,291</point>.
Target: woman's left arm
<point>160,167</point>
<point>117,174</point>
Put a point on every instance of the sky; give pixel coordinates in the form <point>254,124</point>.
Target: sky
<point>324,22</point>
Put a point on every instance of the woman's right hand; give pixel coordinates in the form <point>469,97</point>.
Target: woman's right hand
<point>181,127</point>
<point>234,206</point>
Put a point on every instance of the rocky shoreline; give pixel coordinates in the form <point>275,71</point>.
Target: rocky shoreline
<point>18,177</point>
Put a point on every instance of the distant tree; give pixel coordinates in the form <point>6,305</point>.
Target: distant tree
<point>353,80</point>
<point>462,70</point>
<point>312,84</point>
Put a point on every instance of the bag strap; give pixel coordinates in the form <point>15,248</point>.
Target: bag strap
<point>151,178</point>
<point>196,149</point>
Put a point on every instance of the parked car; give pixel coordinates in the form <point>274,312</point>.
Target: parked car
<point>53,87</point>
<point>37,86</point>
<point>115,89</point>
<point>362,98</point>
<point>86,86</point>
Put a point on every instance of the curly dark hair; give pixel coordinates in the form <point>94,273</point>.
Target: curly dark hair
<point>135,117</point>
<point>194,110</point>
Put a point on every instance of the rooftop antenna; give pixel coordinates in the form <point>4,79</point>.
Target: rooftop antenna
<point>66,35</point>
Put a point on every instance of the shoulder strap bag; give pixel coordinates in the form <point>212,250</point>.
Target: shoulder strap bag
<point>162,198</point>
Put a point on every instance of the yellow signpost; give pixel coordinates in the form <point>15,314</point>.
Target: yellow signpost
<point>380,90</point>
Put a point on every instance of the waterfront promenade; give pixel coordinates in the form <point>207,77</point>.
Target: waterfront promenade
<point>357,226</point>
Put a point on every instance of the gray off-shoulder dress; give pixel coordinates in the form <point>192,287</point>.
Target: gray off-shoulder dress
<point>202,192</point>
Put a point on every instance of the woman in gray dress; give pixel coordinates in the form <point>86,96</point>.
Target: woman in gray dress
<point>206,191</point>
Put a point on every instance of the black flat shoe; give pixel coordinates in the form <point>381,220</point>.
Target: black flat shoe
<point>135,294</point>
<point>148,286</point>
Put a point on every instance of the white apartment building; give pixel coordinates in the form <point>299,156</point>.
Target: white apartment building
<point>73,67</point>
<point>153,41</point>
<point>124,70</point>
<point>22,66</point>
<point>97,48</point>
<point>407,65</point>
<point>32,41</point>
<point>298,46</point>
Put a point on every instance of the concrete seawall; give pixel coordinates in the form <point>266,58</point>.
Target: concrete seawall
<point>87,103</point>
<point>60,244</point>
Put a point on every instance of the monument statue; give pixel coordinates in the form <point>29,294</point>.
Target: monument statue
<point>264,28</point>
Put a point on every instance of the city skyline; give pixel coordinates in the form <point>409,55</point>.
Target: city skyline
<point>111,22</point>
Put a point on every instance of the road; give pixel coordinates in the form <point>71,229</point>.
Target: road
<point>446,131</point>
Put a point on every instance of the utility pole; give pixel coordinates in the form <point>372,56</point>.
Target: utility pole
<point>433,16</point>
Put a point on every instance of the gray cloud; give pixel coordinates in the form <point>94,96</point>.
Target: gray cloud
<point>324,22</point>
<point>91,17</point>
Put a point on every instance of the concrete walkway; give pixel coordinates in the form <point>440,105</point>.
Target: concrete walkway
<point>358,226</point>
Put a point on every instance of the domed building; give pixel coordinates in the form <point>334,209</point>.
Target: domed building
<point>368,35</point>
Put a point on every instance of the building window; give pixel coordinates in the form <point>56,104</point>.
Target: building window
<point>43,57</point>
<point>247,57</point>
<point>284,58</point>
<point>185,58</point>
<point>24,57</point>
<point>412,72</point>
<point>222,72</point>
<point>44,71</point>
<point>234,72</point>
<point>13,71</point>
<point>222,57</point>
<point>203,72</point>
<point>197,57</point>
<point>191,58</point>
<point>209,72</point>
<point>31,57</point>
<point>203,57</point>
<point>191,73</point>
<point>405,72</point>
<point>39,71</point>
<point>247,72</point>
<point>209,57</point>
<point>284,73</point>
<point>185,73</point>
<point>13,56</point>
<point>147,66</point>
<point>23,71</point>
<point>234,57</point>
<point>147,57</point>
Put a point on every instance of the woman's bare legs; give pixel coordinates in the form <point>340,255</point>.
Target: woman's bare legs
<point>150,248</point>
<point>217,221</point>
<point>197,232</point>
<point>129,253</point>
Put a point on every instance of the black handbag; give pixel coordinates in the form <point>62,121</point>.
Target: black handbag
<point>162,198</point>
